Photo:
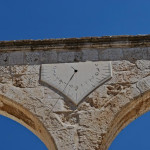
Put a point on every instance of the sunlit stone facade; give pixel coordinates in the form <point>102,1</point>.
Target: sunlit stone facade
<point>102,113</point>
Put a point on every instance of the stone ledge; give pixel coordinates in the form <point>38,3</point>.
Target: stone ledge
<point>77,43</point>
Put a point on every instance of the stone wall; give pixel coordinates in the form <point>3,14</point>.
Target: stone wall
<point>95,122</point>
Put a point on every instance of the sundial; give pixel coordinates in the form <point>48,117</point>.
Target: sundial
<point>76,80</point>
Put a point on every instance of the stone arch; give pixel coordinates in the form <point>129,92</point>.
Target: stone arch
<point>15,111</point>
<point>95,122</point>
<point>129,112</point>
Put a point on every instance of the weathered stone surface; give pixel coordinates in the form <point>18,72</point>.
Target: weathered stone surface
<point>101,115</point>
<point>31,57</point>
<point>28,81</point>
<point>4,58</point>
<point>111,54</point>
<point>143,64</point>
<point>90,55</point>
<point>48,57</point>
<point>15,57</point>
<point>25,69</point>
<point>144,84</point>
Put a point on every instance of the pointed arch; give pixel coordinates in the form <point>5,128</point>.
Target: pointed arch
<point>16,112</point>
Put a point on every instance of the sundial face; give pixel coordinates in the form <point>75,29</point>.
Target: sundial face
<point>76,80</point>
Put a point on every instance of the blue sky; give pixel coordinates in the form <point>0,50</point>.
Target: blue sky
<point>14,136</point>
<point>44,19</point>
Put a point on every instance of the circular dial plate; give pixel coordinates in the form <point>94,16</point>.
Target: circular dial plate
<point>76,80</point>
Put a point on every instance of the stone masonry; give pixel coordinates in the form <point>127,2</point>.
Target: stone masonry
<point>95,122</point>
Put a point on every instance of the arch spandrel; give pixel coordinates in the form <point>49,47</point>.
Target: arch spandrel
<point>94,123</point>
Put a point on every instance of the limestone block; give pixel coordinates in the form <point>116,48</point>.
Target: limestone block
<point>124,77</point>
<point>48,57</point>
<point>133,92</point>
<point>16,58</point>
<point>66,56</point>
<point>123,65</point>
<point>12,92</point>
<point>89,55</point>
<point>32,57</point>
<point>23,81</point>
<point>4,70</point>
<point>4,58</point>
<point>25,69</point>
<point>134,54</point>
<point>66,138</point>
<point>111,54</point>
<point>5,74</point>
<point>68,118</point>
<point>95,119</point>
<point>5,79</point>
<point>51,121</point>
<point>88,139</point>
<point>78,56</point>
<point>144,84</point>
<point>36,93</point>
<point>143,64</point>
<point>96,99</point>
